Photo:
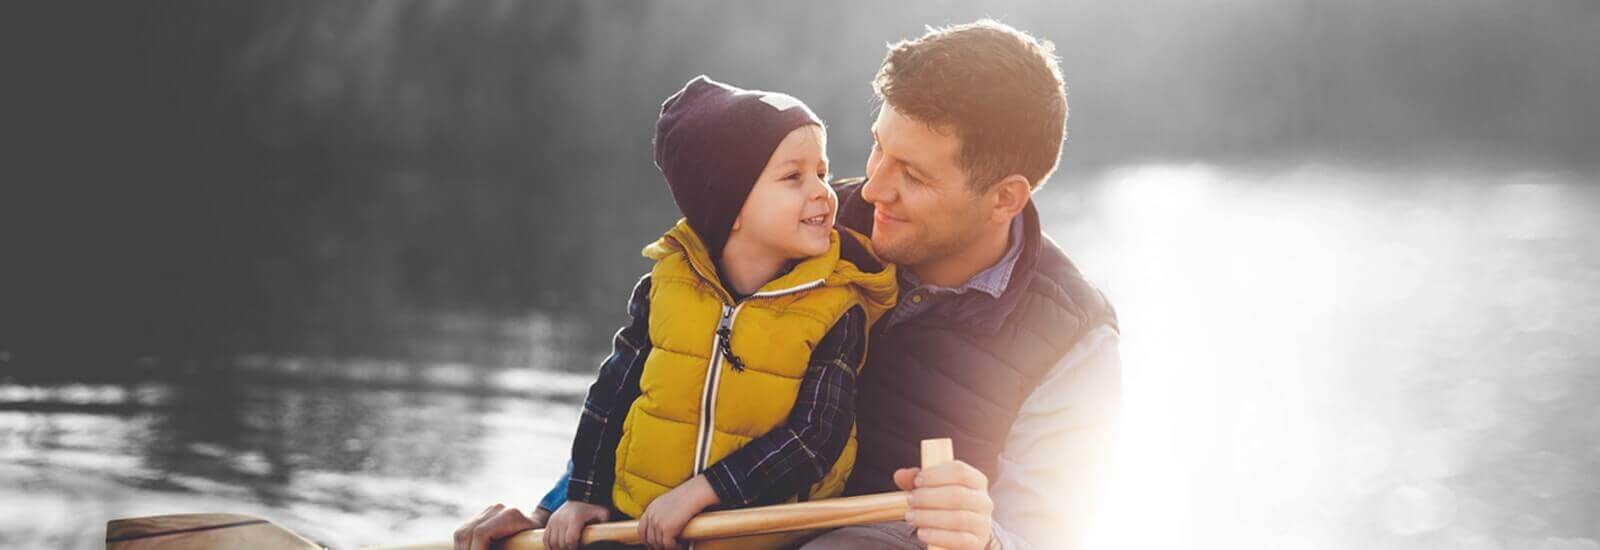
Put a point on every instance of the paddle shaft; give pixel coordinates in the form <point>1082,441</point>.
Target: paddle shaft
<point>781,518</point>
<point>230,530</point>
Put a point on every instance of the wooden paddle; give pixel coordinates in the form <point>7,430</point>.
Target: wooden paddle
<point>934,453</point>
<point>199,531</point>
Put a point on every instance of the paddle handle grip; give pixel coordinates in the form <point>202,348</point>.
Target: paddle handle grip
<point>934,453</point>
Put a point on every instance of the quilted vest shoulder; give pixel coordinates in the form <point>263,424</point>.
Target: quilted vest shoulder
<point>936,380</point>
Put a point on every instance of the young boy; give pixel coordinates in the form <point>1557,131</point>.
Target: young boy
<point>734,384</point>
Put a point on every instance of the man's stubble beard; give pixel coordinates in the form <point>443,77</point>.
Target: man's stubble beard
<point>954,236</point>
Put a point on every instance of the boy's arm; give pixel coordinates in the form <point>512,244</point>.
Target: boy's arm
<point>791,457</point>
<point>613,392</point>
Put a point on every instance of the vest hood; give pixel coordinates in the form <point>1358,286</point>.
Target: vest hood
<point>849,261</point>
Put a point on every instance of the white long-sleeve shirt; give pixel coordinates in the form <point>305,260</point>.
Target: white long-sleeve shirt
<point>1059,451</point>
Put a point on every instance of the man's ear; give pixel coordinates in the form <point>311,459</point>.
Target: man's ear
<point>1011,195</point>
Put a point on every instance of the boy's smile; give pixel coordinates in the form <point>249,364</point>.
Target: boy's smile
<point>789,213</point>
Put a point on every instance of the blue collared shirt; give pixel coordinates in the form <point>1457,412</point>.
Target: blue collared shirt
<point>916,298</point>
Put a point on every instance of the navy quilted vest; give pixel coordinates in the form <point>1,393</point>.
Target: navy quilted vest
<point>963,372</point>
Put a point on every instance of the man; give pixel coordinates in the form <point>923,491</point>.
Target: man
<point>998,342</point>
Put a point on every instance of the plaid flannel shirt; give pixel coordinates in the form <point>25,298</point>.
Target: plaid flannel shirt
<point>768,470</point>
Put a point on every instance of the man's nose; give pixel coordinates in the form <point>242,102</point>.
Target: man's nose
<point>877,186</point>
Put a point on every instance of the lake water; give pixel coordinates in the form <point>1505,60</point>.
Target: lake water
<point>1315,357</point>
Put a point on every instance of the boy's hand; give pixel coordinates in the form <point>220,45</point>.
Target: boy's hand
<point>565,528</point>
<point>664,519</point>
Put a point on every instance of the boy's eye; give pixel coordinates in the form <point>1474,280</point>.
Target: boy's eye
<point>792,176</point>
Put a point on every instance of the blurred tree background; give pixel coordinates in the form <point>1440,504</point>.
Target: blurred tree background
<point>435,181</point>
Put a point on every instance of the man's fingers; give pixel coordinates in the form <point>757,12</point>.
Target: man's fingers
<point>954,472</point>
<point>463,534</point>
<point>954,540</point>
<point>949,520</point>
<point>488,512</point>
<point>507,522</point>
<point>510,521</point>
<point>951,497</point>
<point>904,478</point>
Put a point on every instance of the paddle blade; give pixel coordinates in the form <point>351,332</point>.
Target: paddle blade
<point>200,532</point>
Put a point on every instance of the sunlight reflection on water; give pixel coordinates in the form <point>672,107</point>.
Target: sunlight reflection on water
<point>1329,358</point>
<point>1315,358</point>
<point>345,465</point>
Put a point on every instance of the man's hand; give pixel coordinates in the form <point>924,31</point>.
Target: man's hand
<point>565,530</point>
<point>664,519</point>
<point>495,523</point>
<point>950,505</point>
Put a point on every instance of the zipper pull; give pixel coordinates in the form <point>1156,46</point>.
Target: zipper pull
<point>725,335</point>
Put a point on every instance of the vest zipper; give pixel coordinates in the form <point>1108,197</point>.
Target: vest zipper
<point>708,397</point>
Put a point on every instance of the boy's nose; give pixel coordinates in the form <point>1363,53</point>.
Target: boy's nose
<point>820,189</point>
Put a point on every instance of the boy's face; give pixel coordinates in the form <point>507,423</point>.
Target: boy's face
<point>924,208</point>
<point>790,210</point>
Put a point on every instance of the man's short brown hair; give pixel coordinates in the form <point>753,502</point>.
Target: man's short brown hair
<point>998,88</point>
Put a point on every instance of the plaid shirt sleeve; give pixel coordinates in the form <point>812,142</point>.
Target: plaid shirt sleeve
<point>612,394</point>
<point>791,457</point>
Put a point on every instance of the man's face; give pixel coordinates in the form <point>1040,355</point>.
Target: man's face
<point>925,209</point>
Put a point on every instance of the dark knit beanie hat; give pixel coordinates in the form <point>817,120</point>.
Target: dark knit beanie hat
<point>712,142</point>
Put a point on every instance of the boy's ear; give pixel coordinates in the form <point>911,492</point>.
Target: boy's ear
<point>737,221</point>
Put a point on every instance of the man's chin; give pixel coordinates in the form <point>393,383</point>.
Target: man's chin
<point>892,251</point>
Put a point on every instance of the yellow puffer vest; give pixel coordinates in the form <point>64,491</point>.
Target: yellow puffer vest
<point>666,439</point>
